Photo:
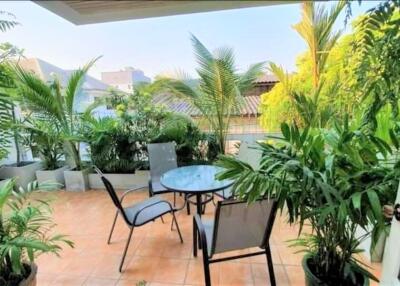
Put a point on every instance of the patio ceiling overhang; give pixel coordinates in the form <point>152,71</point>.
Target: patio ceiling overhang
<point>90,12</point>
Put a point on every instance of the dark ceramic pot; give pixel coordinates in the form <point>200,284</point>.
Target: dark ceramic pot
<point>312,280</point>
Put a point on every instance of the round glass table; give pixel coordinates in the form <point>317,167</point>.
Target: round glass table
<point>195,180</point>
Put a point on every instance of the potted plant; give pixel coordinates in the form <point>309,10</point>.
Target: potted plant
<point>24,225</point>
<point>56,104</point>
<point>331,179</point>
<point>115,150</point>
<point>22,170</point>
<point>45,141</point>
<point>117,145</point>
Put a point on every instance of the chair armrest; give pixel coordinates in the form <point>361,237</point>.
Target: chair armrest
<point>148,206</point>
<point>202,234</point>
<point>129,191</point>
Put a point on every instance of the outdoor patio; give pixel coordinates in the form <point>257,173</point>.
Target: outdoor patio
<point>156,255</point>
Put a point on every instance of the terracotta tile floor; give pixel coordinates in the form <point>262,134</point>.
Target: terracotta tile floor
<point>155,253</point>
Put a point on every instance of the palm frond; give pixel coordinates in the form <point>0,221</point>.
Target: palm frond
<point>34,93</point>
<point>246,80</point>
<point>315,28</point>
<point>220,89</point>
<point>7,24</point>
<point>74,85</point>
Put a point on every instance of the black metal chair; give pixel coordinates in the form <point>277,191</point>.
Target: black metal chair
<point>237,225</point>
<point>249,154</point>
<point>162,158</point>
<point>137,214</point>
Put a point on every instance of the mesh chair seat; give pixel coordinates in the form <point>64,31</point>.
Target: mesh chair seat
<point>156,187</point>
<point>149,209</point>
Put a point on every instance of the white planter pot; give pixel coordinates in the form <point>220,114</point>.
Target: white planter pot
<point>121,181</point>
<point>76,181</point>
<point>377,252</point>
<point>56,176</point>
<point>23,174</point>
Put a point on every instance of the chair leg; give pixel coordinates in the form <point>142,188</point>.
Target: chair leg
<point>162,220</point>
<point>126,249</point>
<point>207,278</point>
<point>270,266</point>
<point>187,205</point>
<point>174,199</point>
<point>112,227</point>
<point>177,226</point>
<point>194,239</point>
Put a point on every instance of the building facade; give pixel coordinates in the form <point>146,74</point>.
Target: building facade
<point>124,79</point>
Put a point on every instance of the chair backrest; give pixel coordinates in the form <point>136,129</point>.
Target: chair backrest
<point>240,225</point>
<point>162,158</point>
<point>111,191</point>
<point>249,154</point>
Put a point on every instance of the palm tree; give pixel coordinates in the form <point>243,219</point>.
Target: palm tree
<point>52,102</point>
<point>219,91</point>
<point>316,28</point>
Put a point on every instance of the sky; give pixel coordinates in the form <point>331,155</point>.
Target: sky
<point>161,45</point>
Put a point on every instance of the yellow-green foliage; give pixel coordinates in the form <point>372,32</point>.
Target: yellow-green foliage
<point>337,92</point>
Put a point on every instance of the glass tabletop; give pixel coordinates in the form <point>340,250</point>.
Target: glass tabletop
<point>194,179</point>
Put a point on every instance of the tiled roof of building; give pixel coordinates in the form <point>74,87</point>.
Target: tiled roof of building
<point>172,103</point>
<point>249,107</point>
<point>267,78</point>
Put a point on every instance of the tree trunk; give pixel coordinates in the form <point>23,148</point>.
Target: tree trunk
<point>15,135</point>
<point>72,155</point>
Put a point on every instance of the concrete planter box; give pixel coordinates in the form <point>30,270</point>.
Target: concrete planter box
<point>121,181</point>
<point>76,181</point>
<point>24,174</point>
<point>56,176</point>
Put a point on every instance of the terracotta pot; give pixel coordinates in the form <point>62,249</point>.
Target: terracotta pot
<point>31,279</point>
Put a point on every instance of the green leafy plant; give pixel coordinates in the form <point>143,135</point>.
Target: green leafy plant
<point>5,122</point>
<point>55,104</point>
<point>218,94</point>
<point>7,52</point>
<point>113,145</point>
<point>25,232</point>
<point>378,51</point>
<point>119,145</point>
<point>192,145</point>
<point>335,180</point>
<point>44,139</point>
